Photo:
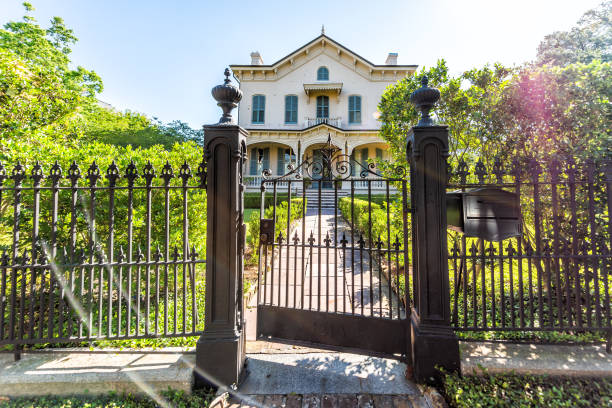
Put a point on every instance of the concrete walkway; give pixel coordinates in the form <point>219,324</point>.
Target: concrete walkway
<point>574,360</point>
<point>64,373</point>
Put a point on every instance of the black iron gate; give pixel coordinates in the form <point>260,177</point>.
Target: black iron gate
<point>334,262</point>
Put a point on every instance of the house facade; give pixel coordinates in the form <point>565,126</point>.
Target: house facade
<point>320,92</point>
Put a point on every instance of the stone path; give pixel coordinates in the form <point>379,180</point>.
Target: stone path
<point>325,277</point>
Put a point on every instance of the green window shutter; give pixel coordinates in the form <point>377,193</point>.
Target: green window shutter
<point>379,153</point>
<point>364,157</point>
<point>354,109</point>
<point>259,108</point>
<point>280,161</point>
<point>322,106</point>
<point>253,162</point>
<point>266,158</point>
<point>291,102</point>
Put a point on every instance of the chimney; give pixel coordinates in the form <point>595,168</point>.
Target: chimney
<point>391,59</point>
<point>256,58</point>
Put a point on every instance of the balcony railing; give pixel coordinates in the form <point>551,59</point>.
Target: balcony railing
<point>253,183</point>
<point>337,122</point>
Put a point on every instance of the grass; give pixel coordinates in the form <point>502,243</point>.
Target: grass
<point>488,390</point>
<point>174,398</point>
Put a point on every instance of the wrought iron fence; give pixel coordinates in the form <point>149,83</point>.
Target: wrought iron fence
<point>554,276</point>
<point>118,256</point>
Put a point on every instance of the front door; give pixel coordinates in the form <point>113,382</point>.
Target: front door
<point>336,274</point>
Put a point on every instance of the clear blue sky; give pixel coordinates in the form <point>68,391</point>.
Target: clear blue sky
<point>162,58</point>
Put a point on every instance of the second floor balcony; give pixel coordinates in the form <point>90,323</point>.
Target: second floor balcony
<point>337,122</point>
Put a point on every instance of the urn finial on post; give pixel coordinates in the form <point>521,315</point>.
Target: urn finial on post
<point>424,99</point>
<point>227,97</point>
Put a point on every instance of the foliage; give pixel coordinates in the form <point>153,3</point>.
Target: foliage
<point>558,107</point>
<point>41,96</point>
<point>503,390</point>
<point>38,89</point>
<point>370,220</point>
<point>253,200</point>
<point>135,129</point>
<point>589,40</point>
<point>175,398</point>
<point>103,154</point>
<point>561,112</point>
<point>298,208</point>
<point>470,105</point>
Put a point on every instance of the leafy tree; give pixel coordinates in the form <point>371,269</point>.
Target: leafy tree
<point>135,129</point>
<point>560,111</point>
<point>590,40</point>
<point>38,89</point>
<point>42,98</point>
<point>470,104</point>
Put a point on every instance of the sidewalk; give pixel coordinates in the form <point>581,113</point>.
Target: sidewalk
<point>280,369</point>
<point>541,359</point>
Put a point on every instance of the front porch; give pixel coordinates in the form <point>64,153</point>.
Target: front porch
<point>352,165</point>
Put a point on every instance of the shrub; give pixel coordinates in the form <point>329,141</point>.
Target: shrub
<point>298,206</point>
<point>505,390</point>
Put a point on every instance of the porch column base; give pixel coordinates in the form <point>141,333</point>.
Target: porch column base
<point>219,361</point>
<point>432,346</point>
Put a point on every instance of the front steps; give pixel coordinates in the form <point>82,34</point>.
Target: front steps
<point>327,198</point>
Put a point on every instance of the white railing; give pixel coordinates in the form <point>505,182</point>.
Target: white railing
<point>376,184</point>
<point>337,122</point>
<point>254,183</point>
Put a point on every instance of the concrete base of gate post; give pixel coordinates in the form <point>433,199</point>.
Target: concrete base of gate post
<point>433,346</point>
<point>219,361</point>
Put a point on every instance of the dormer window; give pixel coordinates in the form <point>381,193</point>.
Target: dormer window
<point>322,74</point>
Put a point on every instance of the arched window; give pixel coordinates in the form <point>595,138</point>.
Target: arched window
<point>259,108</point>
<point>322,74</point>
<point>354,109</point>
<point>322,107</point>
<point>291,107</point>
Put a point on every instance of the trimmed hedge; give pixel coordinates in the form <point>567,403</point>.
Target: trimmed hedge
<point>253,200</point>
<point>297,206</point>
<point>361,218</point>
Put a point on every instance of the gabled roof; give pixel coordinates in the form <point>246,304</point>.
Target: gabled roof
<point>331,41</point>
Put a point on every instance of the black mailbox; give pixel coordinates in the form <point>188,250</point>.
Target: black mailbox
<point>487,213</point>
<point>266,231</point>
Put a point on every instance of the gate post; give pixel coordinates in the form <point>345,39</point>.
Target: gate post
<point>434,343</point>
<point>220,351</point>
